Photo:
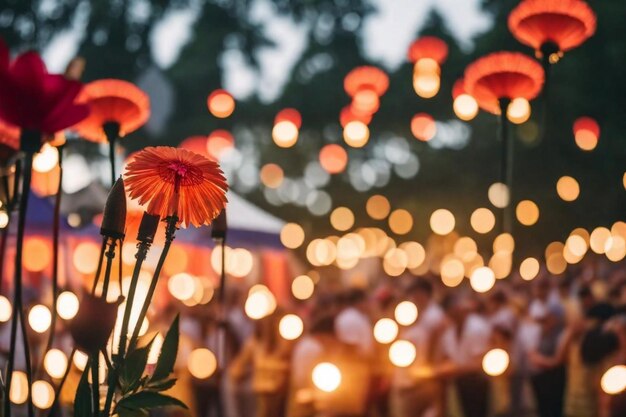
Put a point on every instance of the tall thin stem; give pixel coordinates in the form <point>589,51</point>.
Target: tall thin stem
<point>506,164</point>
<point>112,132</point>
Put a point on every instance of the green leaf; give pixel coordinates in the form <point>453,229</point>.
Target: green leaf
<point>132,368</point>
<point>161,385</point>
<point>165,364</point>
<point>82,400</point>
<point>147,400</point>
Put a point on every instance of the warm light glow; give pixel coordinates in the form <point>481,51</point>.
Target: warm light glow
<point>80,360</point>
<point>302,287</point>
<point>155,349</point>
<point>385,331</point>
<point>55,363</point>
<point>356,134</point>
<point>37,254</point>
<point>465,248</point>
<point>426,84</point>
<point>395,262</point>
<point>182,286</point>
<point>482,279</point>
<point>495,362</point>
<point>342,219</point>
<point>504,242</point>
<point>405,313</point>
<point>5,309</point>
<point>202,363</point>
<point>402,353</point>
<point>43,394</point>
<point>4,218</point>
<point>586,140</point>
<point>416,254</point>
<point>290,327</point>
<point>423,127</point>
<point>378,207</point>
<point>19,388</point>
<point>482,220</point>
<point>272,175</point>
<point>529,268</point>
<point>465,107</point>
<point>518,111</point>
<point>577,245</point>
<point>326,377</point>
<point>46,159</point>
<point>85,257</point>
<point>442,222</point>
<point>67,305</point>
<point>567,188</point>
<point>292,235</point>
<point>452,272</point>
<point>260,303</point>
<point>221,104</point>
<point>39,318</point>
<point>333,158</point>
<point>219,142</point>
<point>400,222</point>
<point>285,134</point>
<point>498,195</point>
<point>527,212</point>
<point>598,239</point>
<point>614,380</point>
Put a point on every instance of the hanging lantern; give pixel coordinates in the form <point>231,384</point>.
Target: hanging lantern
<point>464,105</point>
<point>429,47</point>
<point>427,53</point>
<point>286,127</point>
<point>348,114</point>
<point>586,133</point>
<point>221,104</point>
<point>552,27</point>
<point>366,85</point>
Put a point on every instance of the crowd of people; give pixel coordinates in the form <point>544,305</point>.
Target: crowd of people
<point>561,334</point>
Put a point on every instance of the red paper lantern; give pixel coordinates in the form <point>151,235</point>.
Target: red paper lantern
<point>348,114</point>
<point>428,47</point>
<point>366,85</point>
<point>111,100</point>
<point>290,115</point>
<point>503,75</point>
<point>552,26</point>
<point>586,123</point>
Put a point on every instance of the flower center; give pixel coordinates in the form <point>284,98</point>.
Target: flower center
<point>180,172</point>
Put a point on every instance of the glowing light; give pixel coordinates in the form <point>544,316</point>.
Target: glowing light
<point>504,242</point>
<point>495,362</point>
<point>385,331</point>
<point>219,142</point>
<point>67,305</point>
<point>333,158</point>
<point>452,272</point>
<point>416,254</point>
<point>202,363</point>
<point>182,286</point>
<point>482,220</point>
<point>326,377</point>
<point>598,239</point>
<point>577,245</point>
<point>482,279</point>
<point>155,349</point>
<point>378,207</point>
<point>402,353</point>
<point>442,222</point>
<point>465,249</point>
<point>46,159</point>
<point>177,261</point>
<point>567,188</point>
<point>39,318</point>
<point>405,313</point>
<point>423,127</point>
<point>4,219</point>
<point>302,287</point>
<point>85,257</point>
<point>465,107</point>
<point>19,388</point>
<point>6,310</point>
<point>498,195</point>
<point>529,269</point>
<point>55,363</point>
<point>518,111</point>
<point>614,380</point>
<point>272,175</point>
<point>292,235</point>
<point>586,133</point>
<point>80,360</point>
<point>527,212</point>
<point>356,134</point>
<point>260,303</point>
<point>43,394</point>
<point>400,222</point>
<point>426,85</point>
<point>221,104</point>
<point>37,254</point>
<point>285,134</point>
<point>290,327</point>
<point>342,219</point>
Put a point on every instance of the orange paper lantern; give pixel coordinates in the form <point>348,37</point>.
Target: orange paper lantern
<point>428,47</point>
<point>366,85</point>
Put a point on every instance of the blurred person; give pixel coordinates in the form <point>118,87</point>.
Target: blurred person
<point>502,385</point>
<point>353,324</point>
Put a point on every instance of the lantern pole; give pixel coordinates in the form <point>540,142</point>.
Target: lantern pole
<point>506,164</point>
<point>218,233</point>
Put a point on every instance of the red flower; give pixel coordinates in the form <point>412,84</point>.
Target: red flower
<point>175,181</point>
<point>33,99</point>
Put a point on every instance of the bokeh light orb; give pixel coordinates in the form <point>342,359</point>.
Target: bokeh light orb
<point>202,363</point>
<point>567,188</point>
<point>400,222</point>
<point>272,175</point>
<point>495,362</point>
<point>67,305</point>
<point>426,83</point>
<point>333,158</point>
<point>378,207</point>
<point>423,127</point>
<point>285,134</point>
<point>465,107</point>
<point>290,327</point>
<point>529,269</point>
<point>221,104</point>
<point>442,222</point>
<point>39,318</point>
<point>326,377</point>
<point>55,363</point>
<point>402,353</point>
<point>292,235</point>
<point>518,111</point>
<point>342,219</point>
<point>385,331</point>
<point>85,257</point>
<point>6,310</point>
<point>482,220</point>
<point>482,279</point>
<point>46,159</point>
<point>498,195</point>
<point>405,313</point>
<point>613,381</point>
<point>37,254</point>
<point>356,134</point>
<point>19,388</point>
<point>586,133</point>
<point>527,212</point>
<point>260,303</point>
<point>302,287</point>
<point>218,143</point>
<point>42,394</point>
<point>182,286</point>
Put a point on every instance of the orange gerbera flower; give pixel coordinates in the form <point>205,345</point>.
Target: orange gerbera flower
<point>177,182</point>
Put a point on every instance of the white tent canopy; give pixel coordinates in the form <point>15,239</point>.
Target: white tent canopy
<point>243,215</point>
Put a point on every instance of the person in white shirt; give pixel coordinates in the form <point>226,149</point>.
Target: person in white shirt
<point>353,326</point>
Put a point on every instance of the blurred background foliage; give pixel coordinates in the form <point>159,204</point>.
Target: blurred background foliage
<point>587,81</point>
